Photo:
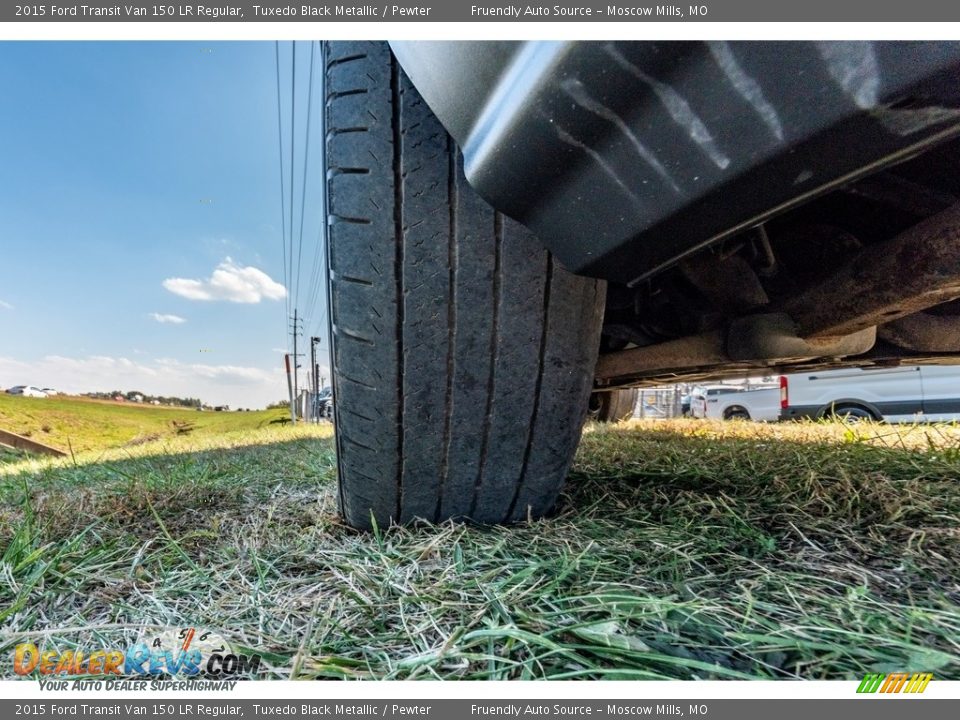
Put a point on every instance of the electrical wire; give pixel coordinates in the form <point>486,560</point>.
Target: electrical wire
<point>316,282</point>
<point>293,116</point>
<point>306,165</point>
<point>283,200</point>
<point>321,327</point>
<point>293,257</point>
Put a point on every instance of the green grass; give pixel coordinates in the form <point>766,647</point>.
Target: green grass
<point>81,424</point>
<point>679,550</point>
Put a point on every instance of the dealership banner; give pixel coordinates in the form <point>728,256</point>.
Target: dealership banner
<point>473,11</point>
<point>480,709</point>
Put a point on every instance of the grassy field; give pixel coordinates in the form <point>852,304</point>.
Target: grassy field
<point>680,549</point>
<point>81,424</point>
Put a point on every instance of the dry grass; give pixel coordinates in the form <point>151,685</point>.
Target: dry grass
<point>680,549</point>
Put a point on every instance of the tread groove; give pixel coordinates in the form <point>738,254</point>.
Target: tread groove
<point>400,235</point>
<point>355,381</point>
<point>333,219</point>
<point>348,439</point>
<point>333,172</point>
<point>345,130</point>
<point>534,413</point>
<point>345,59</point>
<point>353,335</point>
<point>359,415</point>
<point>355,280</point>
<point>346,93</point>
<point>452,199</point>
<point>494,352</point>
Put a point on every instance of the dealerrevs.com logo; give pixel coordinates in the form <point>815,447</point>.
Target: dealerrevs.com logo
<point>183,652</point>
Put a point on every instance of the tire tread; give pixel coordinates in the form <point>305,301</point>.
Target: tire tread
<point>463,354</point>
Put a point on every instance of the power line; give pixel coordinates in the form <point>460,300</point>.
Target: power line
<point>306,165</point>
<point>293,115</point>
<point>323,244</point>
<point>283,200</point>
<point>301,298</point>
<point>317,280</point>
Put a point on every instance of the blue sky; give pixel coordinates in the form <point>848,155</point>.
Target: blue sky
<point>140,240</point>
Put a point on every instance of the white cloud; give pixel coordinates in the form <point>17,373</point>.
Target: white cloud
<point>6,305</point>
<point>168,319</point>
<point>224,374</point>
<point>234,385</point>
<point>230,282</point>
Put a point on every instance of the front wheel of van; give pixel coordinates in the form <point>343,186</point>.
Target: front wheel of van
<point>463,354</point>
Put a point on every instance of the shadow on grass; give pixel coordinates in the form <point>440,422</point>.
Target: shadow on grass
<point>673,554</point>
<point>746,492</point>
<point>180,491</point>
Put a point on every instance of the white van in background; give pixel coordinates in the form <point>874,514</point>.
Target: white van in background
<point>731,402</point>
<point>911,393</point>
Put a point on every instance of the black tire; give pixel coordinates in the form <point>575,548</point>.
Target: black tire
<point>463,355</point>
<point>613,406</point>
<point>736,413</point>
<point>851,413</point>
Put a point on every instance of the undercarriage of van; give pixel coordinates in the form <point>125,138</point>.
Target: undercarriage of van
<point>867,275</point>
<point>750,205</point>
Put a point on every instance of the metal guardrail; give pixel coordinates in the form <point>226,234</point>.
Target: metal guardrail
<point>19,442</point>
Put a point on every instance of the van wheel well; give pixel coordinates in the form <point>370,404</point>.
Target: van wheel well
<point>850,410</point>
<point>738,412</point>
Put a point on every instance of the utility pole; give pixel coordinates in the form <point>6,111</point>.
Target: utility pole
<point>293,413</point>
<point>296,330</point>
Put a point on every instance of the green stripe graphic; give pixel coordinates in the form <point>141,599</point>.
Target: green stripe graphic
<point>871,682</point>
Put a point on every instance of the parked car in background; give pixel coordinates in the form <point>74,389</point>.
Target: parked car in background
<point>911,393</point>
<point>324,401</point>
<point>761,404</point>
<point>703,396</point>
<point>26,391</point>
<point>732,403</point>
